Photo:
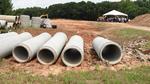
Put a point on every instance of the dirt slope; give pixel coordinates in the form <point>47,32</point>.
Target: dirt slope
<point>142,20</point>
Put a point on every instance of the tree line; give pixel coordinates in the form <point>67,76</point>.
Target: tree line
<point>82,10</point>
<point>5,7</point>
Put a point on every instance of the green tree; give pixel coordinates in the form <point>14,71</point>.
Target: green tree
<point>5,7</point>
<point>34,11</point>
<point>88,10</point>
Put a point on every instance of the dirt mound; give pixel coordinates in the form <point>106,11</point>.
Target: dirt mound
<point>142,20</point>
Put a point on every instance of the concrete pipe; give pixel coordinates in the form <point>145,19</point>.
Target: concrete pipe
<point>50,52</point>
<point>36,22</point>
<point>73,53</point>
<point>25,51</point>
<point>8,18</point>
<point>9,43</point>
<point>25,21</point>
<point>9,25</point>
<point>107,50</point>
<point>9,34</point>
<point>3,23</point>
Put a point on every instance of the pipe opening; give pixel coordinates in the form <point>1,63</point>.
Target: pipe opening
<point>111,53</point>
<point>21,53</point>
<point>46,56</point>
<point>72,56</point>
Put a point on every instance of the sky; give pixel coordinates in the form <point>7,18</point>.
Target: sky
<point>45,3</point>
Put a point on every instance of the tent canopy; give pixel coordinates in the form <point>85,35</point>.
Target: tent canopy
<point>115,13</point>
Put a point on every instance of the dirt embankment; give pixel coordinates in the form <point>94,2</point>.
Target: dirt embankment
<point>142,20</point>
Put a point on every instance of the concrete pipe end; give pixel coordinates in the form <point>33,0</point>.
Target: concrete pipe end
<point>47,56</point>
<point>21,54</point>
<point>111,53</point>
<point>72,57</point>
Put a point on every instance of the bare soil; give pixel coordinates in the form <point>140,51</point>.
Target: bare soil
<point>88,30</point>
<point>142,20</point>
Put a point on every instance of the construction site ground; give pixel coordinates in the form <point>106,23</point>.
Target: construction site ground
<point>129,36</point>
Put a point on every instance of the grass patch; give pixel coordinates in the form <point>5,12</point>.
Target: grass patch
<point>136,76</point>
<point>146,46</point>
<point>130,34</point>
<point>21,78</point>
<point>101,24</point>
<point>124,36</point>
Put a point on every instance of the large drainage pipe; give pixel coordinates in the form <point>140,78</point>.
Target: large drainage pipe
<point>9,25</point>
<point>25,51</point>
<point>7,44</point>
<point>107,50</point>
<point>36,22</point>
<point>3,23</point>
<point>49,53</point>
<point>25,21</point>
<point>73,53</point>
<point>8,18</point>
<point>9,34</point>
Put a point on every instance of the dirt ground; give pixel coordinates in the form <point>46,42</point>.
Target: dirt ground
<point>141,20</point>
<point>88,30</point>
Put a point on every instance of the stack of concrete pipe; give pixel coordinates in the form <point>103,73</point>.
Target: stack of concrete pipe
<point>8,18</point>
<point>25,21</point>
<point>36,22</point>
<point>7,21</point>
<point>48,49</point>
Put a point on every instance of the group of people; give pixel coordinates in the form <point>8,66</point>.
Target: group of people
<point>113,19</point>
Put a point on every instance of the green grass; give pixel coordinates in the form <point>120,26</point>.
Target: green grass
<point>124,36</point>
<point>136,76</point>
<point>130,34</point>
<point>146,46</point>
<point>21,78</point>
<point>101,24</point>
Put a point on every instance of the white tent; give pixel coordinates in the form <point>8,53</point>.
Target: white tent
<point>115,13</point>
